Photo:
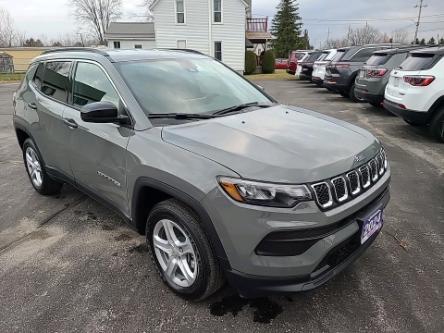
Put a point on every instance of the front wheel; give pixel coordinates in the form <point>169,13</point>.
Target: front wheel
<point>181,251</point>
<point>437,126</point>
<point>35,168</point>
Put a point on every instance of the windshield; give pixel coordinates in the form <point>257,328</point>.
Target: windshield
<point>187,86</point>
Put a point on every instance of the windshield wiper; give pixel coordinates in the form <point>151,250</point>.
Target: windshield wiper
<point>180,115</point>
<point>239,107</point>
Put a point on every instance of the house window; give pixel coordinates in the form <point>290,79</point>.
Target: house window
<point>218,50</point>
<point>217,9</point>
<point>181,44</point>
<point>117,45</point>
<point>138,46</point>
<point>180,11</point>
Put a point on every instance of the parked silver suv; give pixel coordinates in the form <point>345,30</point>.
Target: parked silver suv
<point>225,182</point>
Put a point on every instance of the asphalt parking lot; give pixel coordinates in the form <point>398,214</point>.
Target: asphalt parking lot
<point>67,264</point>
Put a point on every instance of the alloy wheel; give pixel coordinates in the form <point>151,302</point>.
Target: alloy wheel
<point>175,253</point>
<point>34,167</point>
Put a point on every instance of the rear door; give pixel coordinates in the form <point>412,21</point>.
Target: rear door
<point>97,151</point>
<point>51,88</point>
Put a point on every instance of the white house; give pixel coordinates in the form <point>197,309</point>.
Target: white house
<point>220,28</point>
<point>131,35</point>
<point>213,27</point>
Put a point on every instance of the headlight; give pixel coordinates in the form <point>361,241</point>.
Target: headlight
<point>264,194</point>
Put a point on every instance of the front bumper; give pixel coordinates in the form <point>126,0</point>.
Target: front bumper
<point>416,117</point>
<point>336,260</point>
<point>317,80</point>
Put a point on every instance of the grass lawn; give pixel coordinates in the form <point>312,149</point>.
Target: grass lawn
<point>11,77</point>
<point>279,74</point>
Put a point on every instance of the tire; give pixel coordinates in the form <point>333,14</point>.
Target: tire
<point>35,168</point>
<point>343,94</point>
<point>352,95</point>
<point>204,275</point>
<point>437,125</point>
<point>376,105</point>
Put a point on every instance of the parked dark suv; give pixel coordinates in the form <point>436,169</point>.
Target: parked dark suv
<point>341,73</point>
<point>374,75</point>
<point>307,65</point>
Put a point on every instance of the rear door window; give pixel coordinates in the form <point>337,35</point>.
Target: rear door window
<point>418,62</point>
<point>378,59</point>
<point>38,78</point>
<point>56,80</point>
<point>338,56</point>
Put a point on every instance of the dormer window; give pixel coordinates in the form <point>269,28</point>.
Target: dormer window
<point>217,11</point>
<point>180,12</point>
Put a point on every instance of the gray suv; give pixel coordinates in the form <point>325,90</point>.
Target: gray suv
<point>226,183</point>
<point>374,75</point>
<point>341,73</point>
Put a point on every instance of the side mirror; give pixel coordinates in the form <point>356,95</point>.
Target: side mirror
<point>102,112</point>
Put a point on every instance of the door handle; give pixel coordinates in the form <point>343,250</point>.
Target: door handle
<point>71,123</point>
<point>32,106</point>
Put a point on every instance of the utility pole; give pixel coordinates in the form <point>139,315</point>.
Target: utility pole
<point>420,6</point>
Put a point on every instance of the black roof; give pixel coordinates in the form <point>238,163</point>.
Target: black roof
<point>439,50</point>
<point>120,55</point>
<point>402,49</point>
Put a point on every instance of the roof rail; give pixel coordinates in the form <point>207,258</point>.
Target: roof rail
<point>183,50</point>
<point>77,49</point>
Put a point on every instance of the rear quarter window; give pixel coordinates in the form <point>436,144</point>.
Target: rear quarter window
<point>419,62</point>
<point>378,59</point>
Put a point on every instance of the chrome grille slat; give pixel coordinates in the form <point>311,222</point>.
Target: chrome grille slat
<point>353,181</point>
<point>335,191</point>
<point>373,166</point>
<point>323,194</point>
<point>340,188</point>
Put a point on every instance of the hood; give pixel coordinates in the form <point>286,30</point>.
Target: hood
<point>277,144</point>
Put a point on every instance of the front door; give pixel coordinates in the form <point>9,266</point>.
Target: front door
<point>97,151</point>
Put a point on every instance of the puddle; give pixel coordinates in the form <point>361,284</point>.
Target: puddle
<point>265,309</point>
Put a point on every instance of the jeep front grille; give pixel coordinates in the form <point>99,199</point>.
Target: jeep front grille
<point>333,192</point>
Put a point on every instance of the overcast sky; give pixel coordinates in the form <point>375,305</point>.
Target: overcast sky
<point>52,19</point>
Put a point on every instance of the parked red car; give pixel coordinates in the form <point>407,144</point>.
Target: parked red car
<point>292,63</point>
<point>281,63</point>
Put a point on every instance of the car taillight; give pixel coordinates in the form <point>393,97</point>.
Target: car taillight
<point>380,72</point>
<point>419,80</point>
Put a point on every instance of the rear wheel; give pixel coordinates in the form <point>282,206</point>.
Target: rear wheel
<point>412,123</point>
<point>181,251</point>
<point>35,168</point>
<point>352,95</point>
<point>437,125</point>
<point>376,105</point>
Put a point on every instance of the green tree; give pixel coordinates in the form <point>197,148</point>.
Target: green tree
<point>422,42</point>
<point>286,27</point>
<point>431,41</point>
<point>441,41</point>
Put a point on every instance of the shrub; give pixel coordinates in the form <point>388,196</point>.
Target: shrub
<point>268,62</point>
<point>250,62</point>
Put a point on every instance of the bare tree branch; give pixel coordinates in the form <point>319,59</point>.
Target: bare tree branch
<point>98,14</point>
<point>8,33</point>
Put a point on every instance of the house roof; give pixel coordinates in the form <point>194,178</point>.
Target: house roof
<point>131,30</point>
<point>247,3</point>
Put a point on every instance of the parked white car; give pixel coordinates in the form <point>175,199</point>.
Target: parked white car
<point>320,66</point>
<point>415,90</point>
<point>301,56</point>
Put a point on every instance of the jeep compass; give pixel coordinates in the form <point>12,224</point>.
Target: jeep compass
<point>226,184</point>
